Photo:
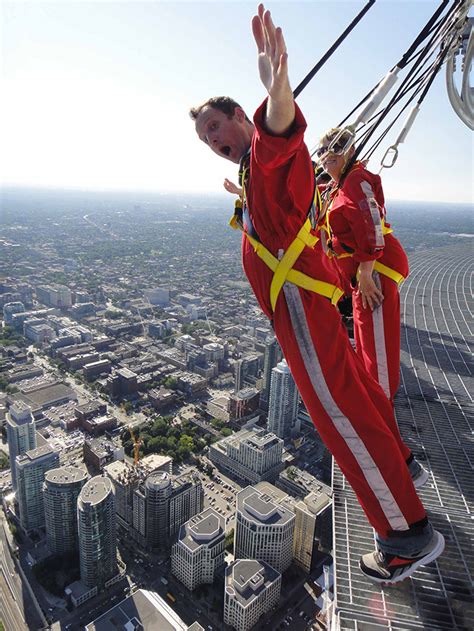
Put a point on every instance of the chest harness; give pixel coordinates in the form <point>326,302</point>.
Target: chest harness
<point>329,195</point>
<point>283,268</point>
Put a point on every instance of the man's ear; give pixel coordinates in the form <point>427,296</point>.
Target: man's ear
<point>239,114</point>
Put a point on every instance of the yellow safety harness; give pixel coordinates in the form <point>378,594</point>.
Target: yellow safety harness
<point>283,268</point>
<point>378,267</point>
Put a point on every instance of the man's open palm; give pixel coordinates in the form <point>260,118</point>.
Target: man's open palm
<point>272,55</point>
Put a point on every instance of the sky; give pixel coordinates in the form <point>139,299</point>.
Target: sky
<point>96,94</point>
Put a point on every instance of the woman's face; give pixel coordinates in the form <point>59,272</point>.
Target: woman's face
<point>333,164</point>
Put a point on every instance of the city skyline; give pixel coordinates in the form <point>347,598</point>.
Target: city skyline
<point>99,92</point>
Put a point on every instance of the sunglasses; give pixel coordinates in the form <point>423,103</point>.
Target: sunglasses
<point>338,148</point>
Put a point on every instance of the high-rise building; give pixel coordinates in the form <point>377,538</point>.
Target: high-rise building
<point>21,434</point>
<point>10,309</point>
<point>283,406</point>
<point>271,358</point>
<point>252,589</point>
<point>250,455</point>
<point>199,552</point>
<point>31,468</point>
<point>163,504</point>
<point>312,528</point>
<point>264,529</point>
<point>313,523</point>
<point>61,490</point>
<point>246,370</point>
<point>126,480</point>
<point>96,529</point>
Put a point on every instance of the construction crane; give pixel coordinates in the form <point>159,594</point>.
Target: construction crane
<point>136,445</point>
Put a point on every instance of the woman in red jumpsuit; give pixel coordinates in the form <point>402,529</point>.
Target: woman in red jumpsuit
<point>369,257</point>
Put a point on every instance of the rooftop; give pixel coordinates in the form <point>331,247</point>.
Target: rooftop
<point>260,508</point>
<point>65,475</point>
<point>35,454</point>
<point>202,529</point>
<point>246,579</point>
<point>143,608</point>
<point>95,491</point>
<point>45,395</point>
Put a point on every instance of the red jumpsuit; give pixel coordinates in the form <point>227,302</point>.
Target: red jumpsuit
<point>348,407</point>
<point>355,218</point>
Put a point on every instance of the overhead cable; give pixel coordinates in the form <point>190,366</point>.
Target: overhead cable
<point>332,49</point>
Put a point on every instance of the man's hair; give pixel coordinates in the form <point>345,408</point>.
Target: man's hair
<point>223,103</point>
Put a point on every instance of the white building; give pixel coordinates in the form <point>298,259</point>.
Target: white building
<point>199,551</point>
<point>252,589</point>
<point>251,455</point>
<point>31,468</point>
<point>264,529</point>
<point>283,405</point>
<point>21,434</point>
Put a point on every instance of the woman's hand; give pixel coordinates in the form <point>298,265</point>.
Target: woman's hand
<point>230,187</point>
<point>372,296</point>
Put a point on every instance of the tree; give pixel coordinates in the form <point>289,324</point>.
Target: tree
<point>226,431</point>
<point>4,460</point>
<point>229,540</point>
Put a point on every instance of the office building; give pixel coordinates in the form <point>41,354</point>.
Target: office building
<point>126,479</point>
<point>199,552</point>
<point>21,434</point>
<point>250,455</point>
<point>272,356</point>
<point>163,503</point>
<point>264,529</point>
<point>10,309</point>
<point>31,468</point>
<point>283,406</point>
<point>252,589</point>
<point>313,520</point>
<point>61,490</point>
<point>96,529</point>
<point>313,528</point>
<point>243,403</point>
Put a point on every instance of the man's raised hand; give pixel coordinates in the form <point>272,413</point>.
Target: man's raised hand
<point>272,55</point>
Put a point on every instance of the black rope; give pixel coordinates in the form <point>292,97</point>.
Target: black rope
<point>333,48</point>
<point>423,34</point>
<point>398,95</point>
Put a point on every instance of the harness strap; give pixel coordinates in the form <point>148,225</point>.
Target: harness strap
<point>283,269</point>
<point>389,271</point>
<point>285,264</point>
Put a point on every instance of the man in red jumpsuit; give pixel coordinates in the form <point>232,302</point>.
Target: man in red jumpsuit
<point>350,410</point>
<point>359,236</point>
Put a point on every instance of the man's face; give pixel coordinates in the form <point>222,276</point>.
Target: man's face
<point>228,137</point>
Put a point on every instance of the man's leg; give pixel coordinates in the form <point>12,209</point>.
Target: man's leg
<point>344,403</point>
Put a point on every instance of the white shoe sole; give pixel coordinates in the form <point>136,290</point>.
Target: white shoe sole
<point>434,554</point>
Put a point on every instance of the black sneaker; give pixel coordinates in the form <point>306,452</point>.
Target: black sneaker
<point>390,568</point>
